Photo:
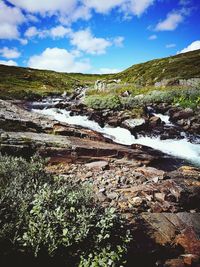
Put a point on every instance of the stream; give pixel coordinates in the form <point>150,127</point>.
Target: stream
<point>179,148</point>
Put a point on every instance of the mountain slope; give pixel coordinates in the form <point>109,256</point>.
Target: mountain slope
<point>182,66</point>
<point>18,82</point>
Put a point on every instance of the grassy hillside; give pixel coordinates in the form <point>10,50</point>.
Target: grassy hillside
<point>17,82</point>
<point>182,66</point>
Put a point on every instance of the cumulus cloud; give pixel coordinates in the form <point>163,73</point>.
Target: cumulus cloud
<point>86,42</point>
<point>45,6</point>
<point>10,19</point>
<point>55,32</point>
<point>59,60</point>
<point>69,11</point>
<point>59,31</point>
<point>136,7</point>
<point>152,37</point>
<point>193,46</point>
<point>9,53</point>
<point>132,7</point>
<point>170,23</point>
<point>8,62</point>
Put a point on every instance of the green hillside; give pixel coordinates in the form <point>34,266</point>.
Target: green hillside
<point>181,66</point>
<point>18,82</point>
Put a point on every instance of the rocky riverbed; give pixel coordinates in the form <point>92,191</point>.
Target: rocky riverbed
<point>156,190</point>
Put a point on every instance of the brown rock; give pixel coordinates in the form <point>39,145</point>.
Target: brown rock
<point>98,165</point>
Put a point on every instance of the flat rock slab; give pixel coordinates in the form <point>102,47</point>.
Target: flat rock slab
<point>178,229</point>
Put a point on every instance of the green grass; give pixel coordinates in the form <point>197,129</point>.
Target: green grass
<point>20,83</point>
<point>182,66</point>
<point>26,83</point>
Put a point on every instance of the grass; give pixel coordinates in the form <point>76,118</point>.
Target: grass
<point>182,66</point>
<point>23,83</point>
<point>26,83</point>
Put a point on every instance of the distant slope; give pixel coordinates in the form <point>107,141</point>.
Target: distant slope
<point>18,82</point>
<point>182,66</point>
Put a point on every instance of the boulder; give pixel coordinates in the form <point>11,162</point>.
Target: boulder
<point>154,121</point>
<point>182,114</point>
<point>134,124</point>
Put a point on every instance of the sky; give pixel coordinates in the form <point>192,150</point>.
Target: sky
<point>95,36</point>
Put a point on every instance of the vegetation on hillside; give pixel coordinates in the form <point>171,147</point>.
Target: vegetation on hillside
<point>20,83</point>
<point>181,66</point>
<point>138,80</point>
<point>55,219</point>
<point>112,100</point>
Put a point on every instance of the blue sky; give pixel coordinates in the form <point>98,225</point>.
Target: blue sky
<point>95,36</point>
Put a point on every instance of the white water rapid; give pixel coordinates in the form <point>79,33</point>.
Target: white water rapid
<point>179,148</point>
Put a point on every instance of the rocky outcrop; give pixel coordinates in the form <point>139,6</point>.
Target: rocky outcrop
<point>73,149</point>
<point>193,82</point>
<point>162,207</point>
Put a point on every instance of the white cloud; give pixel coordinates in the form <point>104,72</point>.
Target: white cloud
<point>170,23</point>
<point>10,19</point>
<point>31,32</point>
<point>68,11</point>
<point>8,31</point>
<point>137,7</point>
<point>55,32</point>
<point>102,6</point>
<point>9,53</point>
<point>170,45</point>
<point>23,41</point>
<point>9,62</point>
<point>59,60</point>
<point>193,46</point>
<point>133,7</point>
<point>45,6</point>
<point>86,42</point>
<point>152,37</point>
<point>59,31</point>
<point>107,71</point>
<point>118,41</point>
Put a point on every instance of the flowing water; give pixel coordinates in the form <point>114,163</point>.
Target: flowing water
<point>182,149</point>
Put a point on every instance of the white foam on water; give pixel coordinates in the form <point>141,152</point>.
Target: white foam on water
<point>179,148</point>
<point>164,118</point>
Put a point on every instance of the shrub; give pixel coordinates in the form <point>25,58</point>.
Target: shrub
<point>103,102</point>
<point>46,215</point>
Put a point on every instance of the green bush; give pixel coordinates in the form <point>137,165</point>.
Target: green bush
<point>46,215</point>
<point>103,102</point>
<point>183,97</point>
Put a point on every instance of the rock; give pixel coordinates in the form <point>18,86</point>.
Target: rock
<point>160,197</point>
<point>88,175</point>
<point>98,165</point>
<point>112,195</point>
<point>134,124</point>
<point>150,172</point>
<point>190,259</point>
<point>182,114</point>
<point>136,201</point>
<point>174,263</point>
<point>154,121</point>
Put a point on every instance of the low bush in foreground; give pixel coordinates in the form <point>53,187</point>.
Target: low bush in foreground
<point>45,215</point>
